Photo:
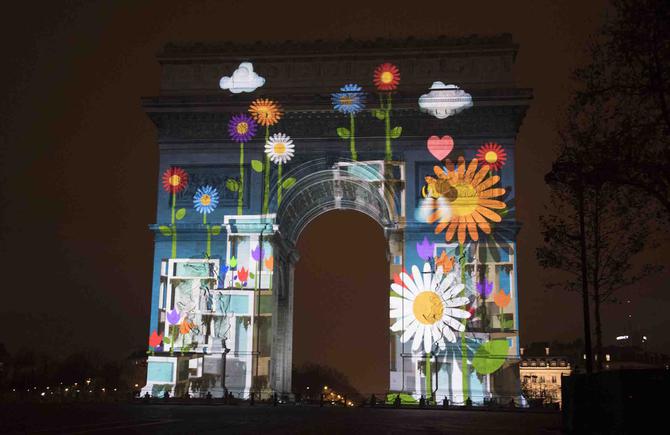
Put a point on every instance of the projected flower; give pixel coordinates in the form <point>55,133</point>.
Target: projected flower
<point>173,317</point>
<point>265,112</point>
<point>185,327</point>
<point>429,308</point>
<point>257,253</point>
<point>175,180</point>
<point>350,99</point>
<point>470,197</point>
<point>484,288</point>
<point>386,77</point>
<point>206,199</point>
<point>425,249</point>
<point>243,274</point>
<point>445,262</point>
<point>155,339</point>
<point>269,262</point>
<point>279,148</point>
<point>242,128</point>
<point>502,299</point>
<point>493,155</point>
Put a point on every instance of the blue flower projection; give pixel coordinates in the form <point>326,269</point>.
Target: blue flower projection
<point>350,99</point>
<point>206,199</point>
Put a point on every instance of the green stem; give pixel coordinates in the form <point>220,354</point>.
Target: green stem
<point>209,234</point>
<point>464,349</point>
<point>352,140</point>
<point>387,119</point>
<point>279,184</point>
<point>266,191</point>
<point>240,190</point>
<point>174,226</point>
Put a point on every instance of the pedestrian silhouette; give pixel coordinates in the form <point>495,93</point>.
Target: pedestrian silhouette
<point>373,400</point>
<point>445,402</point>
<point>397,401</point>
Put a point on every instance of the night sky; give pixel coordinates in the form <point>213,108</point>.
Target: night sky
<point>79,162</point>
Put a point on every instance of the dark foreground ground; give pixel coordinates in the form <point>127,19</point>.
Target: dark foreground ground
<point>262,419</point>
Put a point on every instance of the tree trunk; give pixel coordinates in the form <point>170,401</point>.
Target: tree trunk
<point>585,286</point>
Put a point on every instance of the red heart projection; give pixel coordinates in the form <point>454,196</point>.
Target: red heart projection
<point>440,147</point>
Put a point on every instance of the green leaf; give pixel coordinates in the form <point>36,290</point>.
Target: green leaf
<point>167,340</point>
<point>344,133</point>
<point>251,275</point>
<point>233,262</point>
<point>232,185</point>
<point>238,285</point>
<point>508,323</point>
<point>490,356</point>
<point>396,132</point>
<point>286,184</point>
<point>394,294</point>
<point>165,230</point>
<point>216,230</point>
<point>379,114</point>
<point>180,214</point>
<point>257,165</point>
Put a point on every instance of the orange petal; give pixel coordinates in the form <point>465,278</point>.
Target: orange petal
<point>481,221</point>
<point>488,183</point>
<point>480,175</point>
<point>461,167</point>
<point>471,170</point>
<point>439,172</point>
<point>492,203</point>
<point>492,193</point>
<point>489,214</point>
<point>451,230</point>
<point>472,228</point>
<point>461,231</point>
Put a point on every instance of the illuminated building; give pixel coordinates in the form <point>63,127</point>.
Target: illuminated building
<point>257,140</point>
<point>542,377</point>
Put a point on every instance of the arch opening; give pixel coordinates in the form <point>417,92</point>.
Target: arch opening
<point>341,302</point>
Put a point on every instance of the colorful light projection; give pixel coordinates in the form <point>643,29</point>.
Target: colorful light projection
<point>243,79</point>
<point>350,100</point>
<point>449,310</point>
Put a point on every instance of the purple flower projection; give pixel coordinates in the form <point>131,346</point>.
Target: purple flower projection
<point>173,317</point>
<point>242,128</point>
<point>484,288</point>
<point>425,249</point>
<point>257,254</point>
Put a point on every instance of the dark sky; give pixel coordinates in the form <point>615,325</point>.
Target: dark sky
<point>79,157</point>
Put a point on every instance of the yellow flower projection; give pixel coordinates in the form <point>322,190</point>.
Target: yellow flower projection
<point>470,195</point>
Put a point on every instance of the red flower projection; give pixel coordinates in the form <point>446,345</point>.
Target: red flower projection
<point>493,155</point>
<point>155,339</point>
<point>386,77</point>
<point>242,274</point>
<point>175,180</point>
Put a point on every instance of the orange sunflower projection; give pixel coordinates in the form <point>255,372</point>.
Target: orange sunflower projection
<point>493,155</point>
<point>265,112</point>
<point>469,195</point>
<point>386,77</point>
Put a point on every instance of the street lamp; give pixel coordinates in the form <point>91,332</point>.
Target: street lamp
<point>223,368</point>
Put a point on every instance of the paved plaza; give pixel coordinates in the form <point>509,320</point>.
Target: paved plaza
<point>202,418</point>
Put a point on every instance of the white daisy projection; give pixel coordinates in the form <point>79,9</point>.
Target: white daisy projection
<point>429,309</point>
<point>279,148</point>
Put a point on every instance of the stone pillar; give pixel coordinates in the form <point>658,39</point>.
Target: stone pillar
<point>285,256</point>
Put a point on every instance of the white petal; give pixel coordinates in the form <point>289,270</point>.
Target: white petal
<point>456,302</point>
<point>410,330</point>
<point>416,344</point>
<point>397,326</point>
<point>453,291</point>
<point>418,278</point>
<point>411,287</point>
<point>453,324</point>
<point>457,312</point>
<point>398,288</point>
<point>446,282</point>
<point>427,339</point>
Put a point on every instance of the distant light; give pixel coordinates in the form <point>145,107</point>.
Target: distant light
<point>67,389</point>
<point>136,385</point>
<point>644,337</point>
<point>622,337</point>
<point>43,394</point>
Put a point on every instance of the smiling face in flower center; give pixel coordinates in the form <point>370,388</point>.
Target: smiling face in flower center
<point>491,157</point>
<point>428,307</point>
<point>386,77</point>
<point>205,199</point>
<point>279,148</point>
<point>175,180</point>
<point>242,128</point>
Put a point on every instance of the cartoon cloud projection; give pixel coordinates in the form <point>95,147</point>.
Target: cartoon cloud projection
<point>444,100</point>
<point>244,79</point>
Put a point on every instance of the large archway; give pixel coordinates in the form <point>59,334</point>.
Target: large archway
<point>341,305</point>
<point>353,186</point>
